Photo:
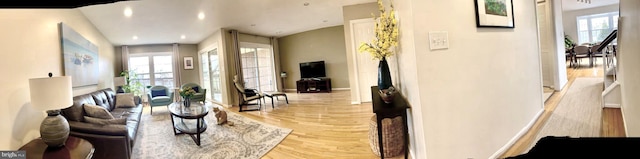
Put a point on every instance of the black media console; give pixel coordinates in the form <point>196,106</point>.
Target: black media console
<point>314,85</point>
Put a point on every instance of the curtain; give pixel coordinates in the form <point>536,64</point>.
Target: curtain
<point>125,58</point>
<point>276,64</point>
<point>176,66</point>
<point>235,48</point>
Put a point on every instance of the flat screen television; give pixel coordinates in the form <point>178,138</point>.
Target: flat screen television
<point>312,69</point>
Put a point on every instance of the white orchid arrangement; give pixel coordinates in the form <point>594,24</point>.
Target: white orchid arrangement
<point>386,34</point>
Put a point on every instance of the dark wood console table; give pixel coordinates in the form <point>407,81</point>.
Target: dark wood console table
<point>314,85</point>
<point>383,110</point>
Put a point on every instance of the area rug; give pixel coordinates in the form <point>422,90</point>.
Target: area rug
<point>247,138</point>
<point>578,114</point>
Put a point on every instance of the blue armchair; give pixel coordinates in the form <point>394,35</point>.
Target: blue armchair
<point>159,96</point>
<point>201,93</point>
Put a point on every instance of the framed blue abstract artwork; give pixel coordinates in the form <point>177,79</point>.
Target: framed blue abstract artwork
<point>80,57</point>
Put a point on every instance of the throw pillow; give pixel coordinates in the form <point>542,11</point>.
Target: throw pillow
<point>155,93</point>
<point>121,121</point>
<point>97,111</point>
<point>125,100</point>
<point>196,88</point>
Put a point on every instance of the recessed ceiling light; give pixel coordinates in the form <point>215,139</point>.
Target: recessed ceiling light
<point>182,37</point>
<point>201,15</point>
<point>306,3</point>
<point>135,37</point>
<point>128,12</point>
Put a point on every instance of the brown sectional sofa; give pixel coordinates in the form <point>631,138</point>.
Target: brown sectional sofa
<point>109,141</point>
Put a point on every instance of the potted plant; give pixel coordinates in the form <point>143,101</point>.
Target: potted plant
<point>132,83</point>
<point>568,43</point>
<point>186,93</point>
<point>381,47</point>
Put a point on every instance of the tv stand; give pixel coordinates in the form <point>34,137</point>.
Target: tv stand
<point>314,85</point>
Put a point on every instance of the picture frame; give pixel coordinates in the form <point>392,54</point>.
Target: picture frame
<point>494,13</point>
<point>80,57</point>
<point>188,63</point>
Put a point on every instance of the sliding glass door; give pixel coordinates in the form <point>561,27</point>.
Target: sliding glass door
<point>211,74</point>
<point>257,68</point>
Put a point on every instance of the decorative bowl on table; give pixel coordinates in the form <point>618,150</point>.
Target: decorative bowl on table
<point>388,94</point>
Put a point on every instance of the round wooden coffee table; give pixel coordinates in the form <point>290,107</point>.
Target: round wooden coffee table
<point>189,120</point>
<point>74,148</point>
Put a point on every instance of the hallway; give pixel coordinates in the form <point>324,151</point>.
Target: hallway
<point>612,125</point>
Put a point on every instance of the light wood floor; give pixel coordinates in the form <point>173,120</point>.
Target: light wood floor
<point>325,125</point>
<point>612,125</point>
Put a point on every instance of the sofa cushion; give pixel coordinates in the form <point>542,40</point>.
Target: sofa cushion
<point>196,88</point>
<point>101,99</point>
<point>121,121</point>
<point>160,92</point>
<point>76,111</point>
<point>124,100</point>
<point>97,111</point>
<point>160,99</point>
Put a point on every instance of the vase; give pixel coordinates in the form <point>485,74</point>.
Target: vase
<point>384,77</point>
<point>187,102</point>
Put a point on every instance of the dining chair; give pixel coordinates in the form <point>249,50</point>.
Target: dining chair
<point>595,53</point>
<point>581,52</point>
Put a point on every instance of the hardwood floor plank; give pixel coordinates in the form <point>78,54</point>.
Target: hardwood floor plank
<point>325,125</point>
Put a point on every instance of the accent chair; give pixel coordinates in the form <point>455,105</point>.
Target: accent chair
<point>159,96</point>
<point>201,93</point>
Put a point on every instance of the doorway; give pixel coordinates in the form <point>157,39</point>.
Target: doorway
<point>547,51</point>
<point>257,67</point>
<point>362,30</point>
<point>210,77</point>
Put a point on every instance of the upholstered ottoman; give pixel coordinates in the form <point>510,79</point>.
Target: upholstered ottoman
<point>392,138</point>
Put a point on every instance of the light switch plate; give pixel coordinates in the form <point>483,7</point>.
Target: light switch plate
<point>438,40</point>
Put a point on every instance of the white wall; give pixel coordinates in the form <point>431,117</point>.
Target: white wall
<point>30,49</point>
<point>476,96</point>
<point>570,22</point>
<point>629,74</point>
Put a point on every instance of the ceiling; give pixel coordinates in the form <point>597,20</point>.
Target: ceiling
<point>165,21</point>
<point>569,5</point>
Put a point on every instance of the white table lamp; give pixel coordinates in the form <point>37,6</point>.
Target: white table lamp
<point>51,94</point>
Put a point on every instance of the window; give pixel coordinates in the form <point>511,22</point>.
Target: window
<point>594,28</point>
<point>153,69</point>
<point>257,68</point>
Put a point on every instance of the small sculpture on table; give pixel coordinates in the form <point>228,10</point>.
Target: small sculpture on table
<point>388,94</point>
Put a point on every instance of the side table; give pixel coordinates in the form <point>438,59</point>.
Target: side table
<point>74,148</point>
<point>389,110</point>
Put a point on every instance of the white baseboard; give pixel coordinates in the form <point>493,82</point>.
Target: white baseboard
<point>513,140</point>
<point>624,122</point>
<point>612,105</point>
<point>354,102</point>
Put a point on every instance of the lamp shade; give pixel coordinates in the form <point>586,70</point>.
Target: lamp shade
<point>51,93</point>
<point>118,81</point>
